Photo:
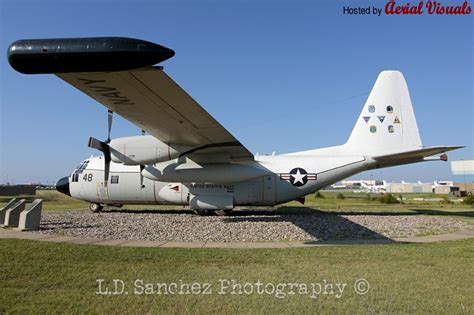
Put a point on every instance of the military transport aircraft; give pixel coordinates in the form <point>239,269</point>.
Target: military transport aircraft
<point>188,158</point>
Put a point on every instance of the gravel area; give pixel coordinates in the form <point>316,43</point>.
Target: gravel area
<point>244,226</point>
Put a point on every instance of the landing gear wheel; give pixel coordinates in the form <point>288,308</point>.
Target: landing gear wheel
<point>222,213</point>
<point>95,207</point>
<point>201,212</point>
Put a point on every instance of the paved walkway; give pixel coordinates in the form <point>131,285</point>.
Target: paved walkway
<point>10,233</point>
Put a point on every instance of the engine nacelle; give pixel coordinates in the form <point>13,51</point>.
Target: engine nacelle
<point>142,150</point>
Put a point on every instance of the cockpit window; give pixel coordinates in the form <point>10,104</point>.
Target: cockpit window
<point>78,170</point>
<point>75,178</point>
<point>81,167</point>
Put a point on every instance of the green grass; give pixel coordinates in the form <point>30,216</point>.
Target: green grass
<point>41,277</point>
<point>356,201</point>
<point>52,200</point>
<point>55,201</point>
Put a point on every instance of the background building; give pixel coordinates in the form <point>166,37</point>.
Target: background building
<point>463,174</point>
<point>404,187</point>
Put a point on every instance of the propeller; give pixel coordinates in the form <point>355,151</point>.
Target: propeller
<point>104,147</point>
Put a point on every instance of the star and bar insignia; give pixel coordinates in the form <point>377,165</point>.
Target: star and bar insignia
<point>298,176</point>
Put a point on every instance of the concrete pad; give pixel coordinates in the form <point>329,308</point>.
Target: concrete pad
<point>468,232</point>
<point>319,244</point>
<point>8,233</point>
<point>300,244</point>
<point>345,242</point>
<point>268,245</point>
<point>13,233</point>
<point>78,240</point>
<point>465,234</point>
<point>2,236</point>
<point>184,244</point>
<point>58,239</point>
<point>437,238</point>
<point>109,242</point>
<point>22,229</point>
<point>33,236</point>
<point>138,243</point>
<point>226,245</point>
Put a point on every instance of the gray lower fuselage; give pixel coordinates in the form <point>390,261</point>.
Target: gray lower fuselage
<point>267,181</point>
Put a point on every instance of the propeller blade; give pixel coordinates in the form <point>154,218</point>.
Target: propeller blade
<point>110,116</point>
<point>104,148</point>
<point>97,144</point>
<point>107,160</point>
<point>142,167</point>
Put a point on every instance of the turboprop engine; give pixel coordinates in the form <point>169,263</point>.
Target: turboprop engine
<point>143,150</point>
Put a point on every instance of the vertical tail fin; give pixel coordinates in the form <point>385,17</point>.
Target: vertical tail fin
<point>387,122</point>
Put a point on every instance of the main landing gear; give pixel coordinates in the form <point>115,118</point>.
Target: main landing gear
<point>95,207</point>
<point>220,213</point>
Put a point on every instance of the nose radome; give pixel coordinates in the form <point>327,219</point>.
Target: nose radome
<point>63,186</point>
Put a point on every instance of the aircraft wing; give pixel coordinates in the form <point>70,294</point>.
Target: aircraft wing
<point>150,99</point>
<point>118,72</point>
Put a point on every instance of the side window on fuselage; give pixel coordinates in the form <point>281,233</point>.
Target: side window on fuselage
<point>114,179</point>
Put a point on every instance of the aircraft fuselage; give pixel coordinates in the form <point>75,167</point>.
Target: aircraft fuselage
<point>277,179</point>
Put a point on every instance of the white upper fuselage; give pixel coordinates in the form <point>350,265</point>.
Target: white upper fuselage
<point>277,179</point>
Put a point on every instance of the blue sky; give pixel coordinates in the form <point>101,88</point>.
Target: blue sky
<point>279,75</point>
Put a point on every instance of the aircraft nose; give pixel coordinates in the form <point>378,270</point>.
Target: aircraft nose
<point>63,186</point>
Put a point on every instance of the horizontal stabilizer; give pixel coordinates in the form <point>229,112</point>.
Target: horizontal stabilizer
<point>414,155</point>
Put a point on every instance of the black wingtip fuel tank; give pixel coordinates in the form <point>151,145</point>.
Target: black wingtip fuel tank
<point>93,54</point>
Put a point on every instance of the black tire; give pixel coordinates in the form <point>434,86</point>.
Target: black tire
<point>201,212</point>
<point>222,213</point>
<point>95,207</point>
